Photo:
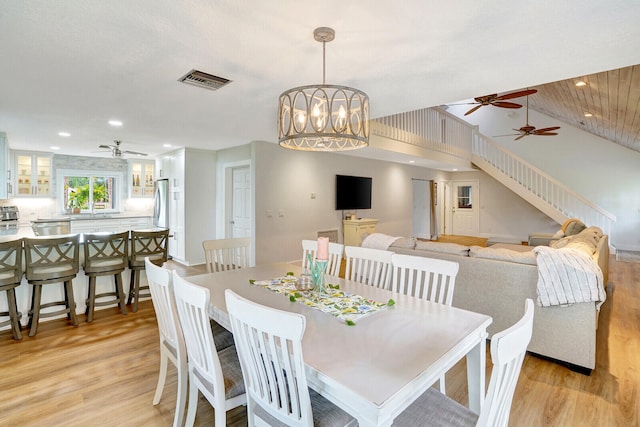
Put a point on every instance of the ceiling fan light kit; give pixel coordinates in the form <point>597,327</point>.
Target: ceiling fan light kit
<point>118,152</point>
<point>323,117</point>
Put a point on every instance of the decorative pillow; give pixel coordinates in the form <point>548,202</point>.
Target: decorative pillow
<point>574,228</point>
<point>445,248</point>
<point>559,235</point>
<point>587,240</point>
<point>502,254</point>
<point>404,242</point>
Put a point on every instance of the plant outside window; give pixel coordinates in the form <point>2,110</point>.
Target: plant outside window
<point>88,193</point>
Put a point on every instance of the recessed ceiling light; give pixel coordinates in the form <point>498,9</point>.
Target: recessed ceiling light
<point>65,134</point>
<point>115,122</point>
<point>581,83</point>
<point>412,161</point>
<point>166,145</point>
<point>454,170</point>
<point>588,114</point>
<point>53,147</point>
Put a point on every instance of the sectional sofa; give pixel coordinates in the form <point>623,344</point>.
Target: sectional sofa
<point>496,281</point>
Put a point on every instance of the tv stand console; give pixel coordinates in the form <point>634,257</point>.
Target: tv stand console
<point>355,228</point>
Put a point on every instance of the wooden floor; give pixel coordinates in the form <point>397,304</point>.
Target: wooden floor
<point>104,373</point>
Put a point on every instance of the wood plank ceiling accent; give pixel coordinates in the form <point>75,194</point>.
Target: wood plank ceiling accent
<point>612,97</point>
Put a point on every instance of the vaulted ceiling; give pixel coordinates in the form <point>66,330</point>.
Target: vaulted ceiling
<point>71,65</point>
<point>607,105</point>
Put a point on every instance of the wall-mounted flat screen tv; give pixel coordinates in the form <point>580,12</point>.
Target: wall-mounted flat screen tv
<point>353,192</point>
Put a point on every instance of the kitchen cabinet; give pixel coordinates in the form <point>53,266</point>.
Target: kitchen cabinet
<point>354,229</point>
<point>141,178</point>
<point>32,174</point>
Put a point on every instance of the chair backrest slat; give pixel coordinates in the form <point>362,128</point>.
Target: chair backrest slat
<point>370,266</point>
<point>508,349</point>
<point>426,278</point>
<point>192,304</point>
<point>335,255</point>
<point>269,344</point>
<point>226,254</point>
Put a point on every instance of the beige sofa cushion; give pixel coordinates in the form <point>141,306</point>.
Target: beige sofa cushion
<point>446,248</point>
<point>404,242</point>
<point>501,254</point>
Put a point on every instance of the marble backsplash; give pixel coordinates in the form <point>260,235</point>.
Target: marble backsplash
<point>39,208</point>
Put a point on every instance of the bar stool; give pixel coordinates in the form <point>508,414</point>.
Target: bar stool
<point>152,244</point>
<point>10,277</point>
<point>51,260</point>
<point>105,254</point>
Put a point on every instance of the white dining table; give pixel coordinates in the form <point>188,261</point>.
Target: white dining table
<point>379,366</point>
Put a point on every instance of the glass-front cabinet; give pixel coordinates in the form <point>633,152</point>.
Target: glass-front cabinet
<point>32,173</point>
<point>141,177</point>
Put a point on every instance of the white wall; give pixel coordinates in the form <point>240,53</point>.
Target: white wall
<point>200,191</point>
<point>505,216</point>
<point>603,172</point>
<point>286,213</point>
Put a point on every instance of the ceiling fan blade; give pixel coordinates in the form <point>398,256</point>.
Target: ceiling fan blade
<point>518,94</point>
<point>106,147</point>
<point>548,129</point>
<point>508,134</point>
<point>545,133</point>
<point>472,110</point>
<point>521,136</point>
<point>135,153</point>
<point>505,104</point>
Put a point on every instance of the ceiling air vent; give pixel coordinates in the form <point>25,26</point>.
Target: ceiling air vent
<point>201,79</point>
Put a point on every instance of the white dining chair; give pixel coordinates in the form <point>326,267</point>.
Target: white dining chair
<point>217,375</point>
<point>508,349</point>
<point>370,266</point>
<point>426,278</point>
<point>269,343</point>
<point>172,347</point>
<point>335,255</point>
<point>226,254</point>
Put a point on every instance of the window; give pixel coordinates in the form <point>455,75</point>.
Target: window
<point>464,197</point>
<point>89,191</point>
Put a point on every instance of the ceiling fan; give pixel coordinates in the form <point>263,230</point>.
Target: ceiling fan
<point>527,129</point>
<point>499,101</point>
<point>116,151</point>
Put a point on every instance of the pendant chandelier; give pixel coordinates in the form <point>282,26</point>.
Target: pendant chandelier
<point>323,117</point>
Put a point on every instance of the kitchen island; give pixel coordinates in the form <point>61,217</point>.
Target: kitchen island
<point>55,291</point>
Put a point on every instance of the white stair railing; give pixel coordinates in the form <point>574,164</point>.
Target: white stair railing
<point>438,130</point>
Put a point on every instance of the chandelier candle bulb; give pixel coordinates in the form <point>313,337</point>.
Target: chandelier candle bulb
<point>323,249</point>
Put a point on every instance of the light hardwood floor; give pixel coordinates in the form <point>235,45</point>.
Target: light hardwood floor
<point>105,373</point>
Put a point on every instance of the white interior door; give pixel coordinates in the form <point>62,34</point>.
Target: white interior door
<point>240,223</point>
<point>464,205</point>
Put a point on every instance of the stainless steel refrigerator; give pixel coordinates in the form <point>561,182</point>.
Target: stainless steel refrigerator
<point>161,204</point>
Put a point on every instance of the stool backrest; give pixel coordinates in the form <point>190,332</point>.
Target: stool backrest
<point>151,244</point>
<point>11,262</point>
<point>105,252</point>
<point>52,257</point>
